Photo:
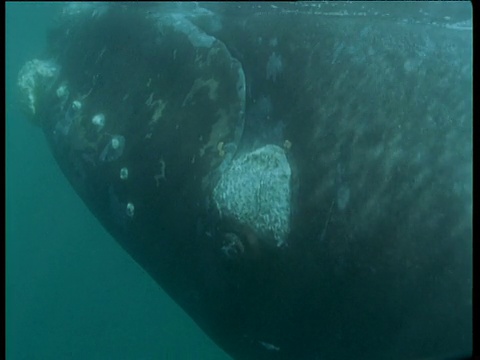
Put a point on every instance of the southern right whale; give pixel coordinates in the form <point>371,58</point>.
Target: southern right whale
<point>298,177</point>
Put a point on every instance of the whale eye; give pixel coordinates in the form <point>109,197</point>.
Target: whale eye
<point>114,149</point>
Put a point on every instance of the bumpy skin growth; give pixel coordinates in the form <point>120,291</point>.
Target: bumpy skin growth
<point>255,192</point>
<point>360,122</point>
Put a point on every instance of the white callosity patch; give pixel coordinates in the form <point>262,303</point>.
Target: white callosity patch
<point>99,121</point>
<point>35,76</point>
<point>124,173</point>
<point>63,92</point>
<point>114,149</point>
<point>77,105</point>
<point>72,115</point>
<point>130,210</point>
<point>255,192</point>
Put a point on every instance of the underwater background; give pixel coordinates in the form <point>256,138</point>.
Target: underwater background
<point>71,291</point>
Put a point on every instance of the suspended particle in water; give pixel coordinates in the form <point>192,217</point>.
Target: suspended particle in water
<point>114,149</point>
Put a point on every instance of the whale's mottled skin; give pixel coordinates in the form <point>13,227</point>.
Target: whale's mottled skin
<point>298,177</point>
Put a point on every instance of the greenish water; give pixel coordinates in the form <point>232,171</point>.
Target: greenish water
<point>71,291</point>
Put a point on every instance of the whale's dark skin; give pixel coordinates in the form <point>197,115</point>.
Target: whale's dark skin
<point>375,117</point>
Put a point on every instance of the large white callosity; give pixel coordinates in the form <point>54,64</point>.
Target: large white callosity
<point>255,192</point>
<point>34,76</point>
